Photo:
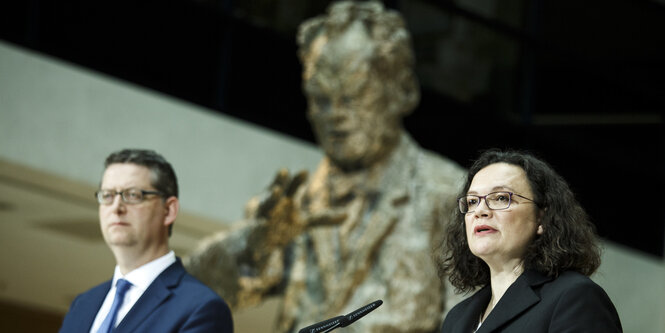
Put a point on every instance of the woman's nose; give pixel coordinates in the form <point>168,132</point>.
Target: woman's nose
<point>482,209</point>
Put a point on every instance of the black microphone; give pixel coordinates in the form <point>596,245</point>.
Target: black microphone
<point>341,321</point>
<point>355,315</point>
<point>324,326</point>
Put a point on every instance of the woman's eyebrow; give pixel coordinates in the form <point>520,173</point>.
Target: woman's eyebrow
<point>495,189</point>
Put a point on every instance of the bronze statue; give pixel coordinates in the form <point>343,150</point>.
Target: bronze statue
<point>363,226</point>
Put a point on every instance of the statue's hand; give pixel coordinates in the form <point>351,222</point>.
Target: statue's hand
<point>281,191</point>
<point>277,211</point>
<point>279,216</point>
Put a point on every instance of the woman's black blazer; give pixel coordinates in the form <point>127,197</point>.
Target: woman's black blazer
<point>537,303</point>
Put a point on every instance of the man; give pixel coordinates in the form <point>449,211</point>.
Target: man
<point>363,227</point>
<point>150,290</point>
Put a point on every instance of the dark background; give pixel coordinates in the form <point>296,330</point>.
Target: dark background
<point>583,85</point>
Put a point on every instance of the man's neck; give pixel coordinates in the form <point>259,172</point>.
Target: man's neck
<point>129,259</point>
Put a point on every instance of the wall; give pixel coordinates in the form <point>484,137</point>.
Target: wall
<point>64,119</point>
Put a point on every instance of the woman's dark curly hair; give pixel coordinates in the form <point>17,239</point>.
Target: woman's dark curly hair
<point>568,242</point>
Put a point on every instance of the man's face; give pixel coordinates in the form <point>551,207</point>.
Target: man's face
<point>349,105</point>
<point>144,225</point>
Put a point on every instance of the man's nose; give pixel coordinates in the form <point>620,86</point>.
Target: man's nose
<point>118,203</point>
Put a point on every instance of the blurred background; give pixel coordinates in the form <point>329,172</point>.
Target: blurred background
<point>215,86</point>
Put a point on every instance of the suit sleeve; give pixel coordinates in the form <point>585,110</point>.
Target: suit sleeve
<point>585,308</point>
<point>211,316</point>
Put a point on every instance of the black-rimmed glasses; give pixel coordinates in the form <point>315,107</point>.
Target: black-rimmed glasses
<point>494,201</point>
<point>130,195</point>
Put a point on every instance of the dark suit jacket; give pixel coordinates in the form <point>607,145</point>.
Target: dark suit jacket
<point>174,302</point>
<point>536,303</point>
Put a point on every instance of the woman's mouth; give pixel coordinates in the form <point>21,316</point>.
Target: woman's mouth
<point>483,229</point>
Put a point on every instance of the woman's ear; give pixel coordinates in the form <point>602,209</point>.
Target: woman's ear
<point>541,214</point>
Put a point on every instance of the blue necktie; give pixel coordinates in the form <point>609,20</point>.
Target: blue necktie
<point>121,288</point>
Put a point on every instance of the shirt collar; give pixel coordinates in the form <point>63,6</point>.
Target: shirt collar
<point>143,276</point>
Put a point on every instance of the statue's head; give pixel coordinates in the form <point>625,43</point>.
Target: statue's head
<point>358,79</point>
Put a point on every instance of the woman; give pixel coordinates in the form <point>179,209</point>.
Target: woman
<point>520,235</point>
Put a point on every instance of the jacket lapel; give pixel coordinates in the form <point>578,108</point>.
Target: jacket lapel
<point>468,321</point>
<point>519,297</point>
<point>91,304</point>
<point>156,294</point>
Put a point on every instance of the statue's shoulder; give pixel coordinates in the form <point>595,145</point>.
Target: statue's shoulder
<point>432,171</point>
<point>439,169</point>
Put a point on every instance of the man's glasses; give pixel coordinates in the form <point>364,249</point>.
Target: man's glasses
<point>494,201</point>
<point>129,196</point>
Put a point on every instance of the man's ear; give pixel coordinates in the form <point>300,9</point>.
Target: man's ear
<point>172,206</point>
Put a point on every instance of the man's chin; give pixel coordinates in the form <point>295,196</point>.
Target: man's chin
<point>120,240</point>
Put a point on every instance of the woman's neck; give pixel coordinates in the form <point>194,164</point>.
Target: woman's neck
<point>501,278</point>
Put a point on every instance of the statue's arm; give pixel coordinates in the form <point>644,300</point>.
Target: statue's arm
<point>246,263</point>
<point>229,263</point>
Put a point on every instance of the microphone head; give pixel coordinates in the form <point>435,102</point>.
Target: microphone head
<point>355,315</point>
<point>323,326</point>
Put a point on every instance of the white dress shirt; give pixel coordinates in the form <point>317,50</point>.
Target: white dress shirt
<point>140,279</point>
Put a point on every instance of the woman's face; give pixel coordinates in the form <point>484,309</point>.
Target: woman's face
<point>501,237</point>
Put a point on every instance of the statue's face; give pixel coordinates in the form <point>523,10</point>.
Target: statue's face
<point>348,103</point>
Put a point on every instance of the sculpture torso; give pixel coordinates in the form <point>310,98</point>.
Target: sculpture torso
<point>381,251</point>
